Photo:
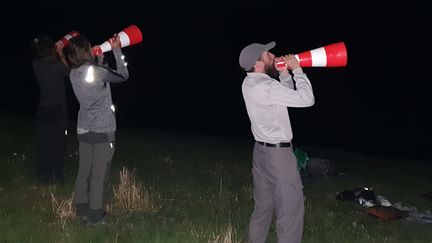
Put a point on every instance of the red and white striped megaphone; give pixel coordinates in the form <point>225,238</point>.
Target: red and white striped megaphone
<point>65,39</point>
<point>333,55</point>
<point>128,37</point>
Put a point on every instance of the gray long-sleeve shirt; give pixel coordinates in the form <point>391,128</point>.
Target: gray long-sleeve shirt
<point>267,100</point>
<point>91,85</point>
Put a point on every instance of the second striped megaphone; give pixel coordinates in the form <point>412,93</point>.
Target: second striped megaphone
<point>333,55</point>
<point>128,37</point>
<point>65,39</point>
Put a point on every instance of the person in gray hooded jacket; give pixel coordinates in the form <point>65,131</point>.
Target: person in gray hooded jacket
<point>96,123</point>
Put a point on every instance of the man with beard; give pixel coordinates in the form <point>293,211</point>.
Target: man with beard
<point>277,184</point>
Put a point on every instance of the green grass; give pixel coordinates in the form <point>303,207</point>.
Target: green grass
<point>203,186</point>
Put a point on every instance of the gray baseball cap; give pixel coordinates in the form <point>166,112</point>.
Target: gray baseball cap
<point>252,53</point>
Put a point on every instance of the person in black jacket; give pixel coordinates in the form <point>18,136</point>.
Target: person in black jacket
<point>51,71</point>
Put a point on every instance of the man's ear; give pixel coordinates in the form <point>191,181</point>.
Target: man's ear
<point>259,66</point>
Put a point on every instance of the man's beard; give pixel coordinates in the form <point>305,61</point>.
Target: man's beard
<point>271,71</point>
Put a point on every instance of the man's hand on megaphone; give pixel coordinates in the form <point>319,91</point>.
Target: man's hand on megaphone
<point>115,41</point>
<point>291,62</point>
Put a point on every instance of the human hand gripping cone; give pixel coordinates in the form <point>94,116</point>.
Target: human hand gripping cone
<point>128,37</point>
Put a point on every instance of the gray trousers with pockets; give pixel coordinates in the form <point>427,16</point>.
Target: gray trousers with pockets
<point>93,172</point>
<point>278,191</point>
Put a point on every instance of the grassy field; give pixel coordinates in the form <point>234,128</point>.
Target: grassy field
<point>178,187</point>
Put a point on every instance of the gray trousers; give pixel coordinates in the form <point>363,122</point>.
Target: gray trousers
<point>93,172</point>
<point>278,190</point>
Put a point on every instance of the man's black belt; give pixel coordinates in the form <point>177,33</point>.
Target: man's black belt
<point>275,145</point>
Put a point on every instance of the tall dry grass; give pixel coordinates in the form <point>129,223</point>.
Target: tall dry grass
<point>227,236</point>
<point>63,210</point>
<point>129,196</point>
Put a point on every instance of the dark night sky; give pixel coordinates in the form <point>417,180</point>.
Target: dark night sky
<point>185,74</point>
